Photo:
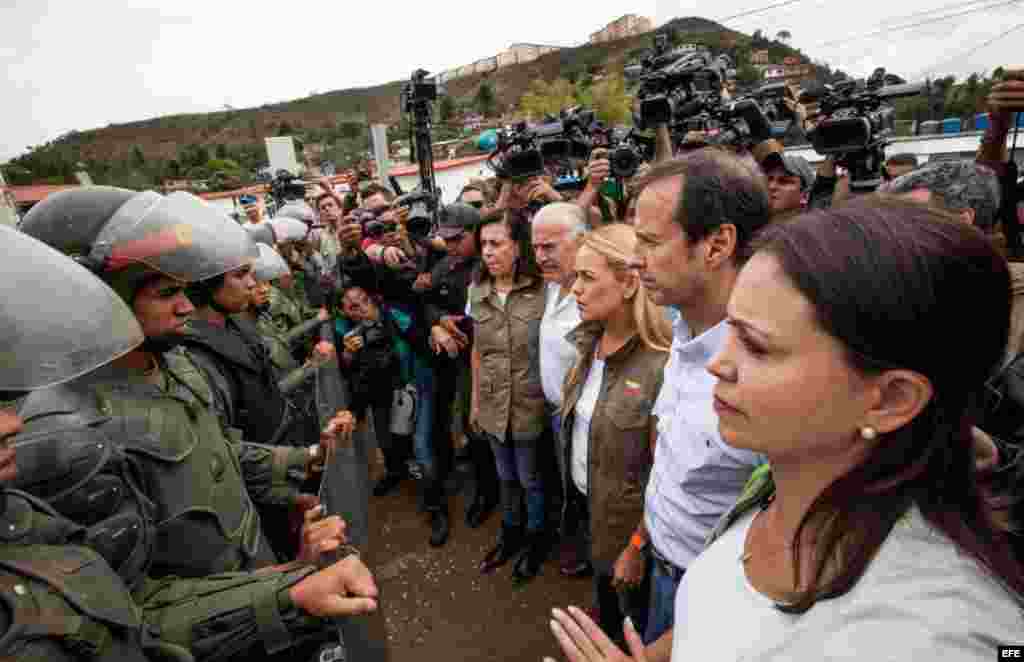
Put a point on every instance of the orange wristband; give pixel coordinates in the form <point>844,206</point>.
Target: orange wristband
<point>637,543</point>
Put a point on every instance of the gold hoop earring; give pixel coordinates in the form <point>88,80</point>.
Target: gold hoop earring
<point>868,433</point>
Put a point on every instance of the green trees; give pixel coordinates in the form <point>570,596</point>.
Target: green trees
<point>486,100</point>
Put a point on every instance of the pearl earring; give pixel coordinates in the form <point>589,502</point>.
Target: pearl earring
<point>867,433</point>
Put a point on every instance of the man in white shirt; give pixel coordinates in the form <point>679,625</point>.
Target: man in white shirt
<point>555,235</point>
<point>695,219</point>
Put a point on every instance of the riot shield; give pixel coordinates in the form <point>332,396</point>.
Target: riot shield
<point>345,491</point>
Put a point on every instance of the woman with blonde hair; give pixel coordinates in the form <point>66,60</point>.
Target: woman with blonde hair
<point>608,430</point>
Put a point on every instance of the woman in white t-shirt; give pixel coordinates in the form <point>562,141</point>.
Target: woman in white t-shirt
<point>859,338</point>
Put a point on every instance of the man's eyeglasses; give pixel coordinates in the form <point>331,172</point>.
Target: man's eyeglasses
<point>456,239</point>
<point>476,204</point>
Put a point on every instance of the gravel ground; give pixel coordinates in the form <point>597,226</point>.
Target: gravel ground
<point>437,605</point>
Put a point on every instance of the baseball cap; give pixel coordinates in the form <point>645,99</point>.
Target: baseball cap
<point>457,218</point>
<point>795,166</point>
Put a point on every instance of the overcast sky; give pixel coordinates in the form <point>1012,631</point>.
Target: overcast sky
<point>82,65</point>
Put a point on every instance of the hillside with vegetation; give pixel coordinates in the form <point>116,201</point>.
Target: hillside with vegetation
<point>225,149</point>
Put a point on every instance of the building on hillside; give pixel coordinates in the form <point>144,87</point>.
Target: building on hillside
<point>774,72</point>
<point>628,25</point>
<point>485,65</point>
<point>759,57</point>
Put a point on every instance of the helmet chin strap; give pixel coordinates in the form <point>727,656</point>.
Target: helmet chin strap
<point>163,343</point>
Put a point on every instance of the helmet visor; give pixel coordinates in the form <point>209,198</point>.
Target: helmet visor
<point>81,325</point>
<point>270,265</point>
<point>178,235</point>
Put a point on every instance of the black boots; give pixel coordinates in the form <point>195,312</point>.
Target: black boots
<point>480,509</point>
<point>389,482</point>
<point>485,479</point>
<point>509,542</point>
<point>439,527</point>
<point>529,562</point>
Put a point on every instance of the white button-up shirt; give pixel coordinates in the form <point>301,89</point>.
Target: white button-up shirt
<point>557,355</point>
<point>696,477</point>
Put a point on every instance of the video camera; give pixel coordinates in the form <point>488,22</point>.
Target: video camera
<point>418,91</point>
<point>522,151</point>
<point>676,84</point>
<point>424,203</point>
<point>286,187</point>
<point>858,123</point>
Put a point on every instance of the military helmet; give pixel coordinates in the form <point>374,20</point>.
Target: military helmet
<point>82,326</point>
<point>270,265</point>
<point>125,236</point>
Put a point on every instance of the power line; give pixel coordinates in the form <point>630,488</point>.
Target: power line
<point>972,51</point>
<point>758,10</point>
<point>938,19</point>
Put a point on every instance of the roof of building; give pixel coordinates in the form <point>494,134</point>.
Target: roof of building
<point>33,193</point>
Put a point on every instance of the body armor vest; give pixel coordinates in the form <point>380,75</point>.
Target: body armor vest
<point>277,346</point>
<point>257,407</point>
<point>60,601</point>
<point>179,460</point>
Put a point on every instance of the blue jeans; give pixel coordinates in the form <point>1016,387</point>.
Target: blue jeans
<point>516,463</point>
<point>423,448</point>
<point>661,613</point>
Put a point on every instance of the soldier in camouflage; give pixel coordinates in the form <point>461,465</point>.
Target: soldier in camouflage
<point>165,488</point>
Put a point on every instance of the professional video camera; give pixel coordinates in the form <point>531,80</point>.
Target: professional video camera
<point>424,203</point>
<point>286,187</point>
<point>772,99</point>
<point>858,123</point>
<point>676,84</point>
<point>522,151</point>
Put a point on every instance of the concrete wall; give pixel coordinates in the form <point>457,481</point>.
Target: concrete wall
<point>450,180</point>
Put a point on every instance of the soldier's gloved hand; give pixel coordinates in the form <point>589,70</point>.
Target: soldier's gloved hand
<point>320,535</point>
<point>346,588</point>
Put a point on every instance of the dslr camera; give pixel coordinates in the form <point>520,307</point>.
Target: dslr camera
<point>371,331</point>
<point>420,222</point>
<point>627,149</point>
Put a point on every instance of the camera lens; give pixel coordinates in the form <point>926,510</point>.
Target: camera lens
<point>375,229</point>
<point>624,162</point>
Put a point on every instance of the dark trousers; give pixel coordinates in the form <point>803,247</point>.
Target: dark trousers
<point>446,383</point>
<point>397,449</point>
<point>612,605</point>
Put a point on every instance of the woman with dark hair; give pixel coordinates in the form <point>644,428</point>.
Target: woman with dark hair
<point>506,301</point>
<point>869,537</point>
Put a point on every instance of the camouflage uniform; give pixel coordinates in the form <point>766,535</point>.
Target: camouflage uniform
<point>165,493</point>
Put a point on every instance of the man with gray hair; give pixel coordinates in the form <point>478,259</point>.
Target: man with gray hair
<point>965,187</point>
<point>555,235</point>
<point>970,189</point>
